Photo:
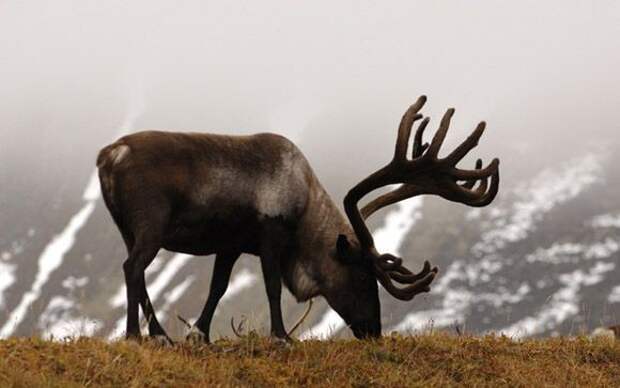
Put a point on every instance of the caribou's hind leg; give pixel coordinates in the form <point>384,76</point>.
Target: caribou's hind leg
<point>224,262</point>
<point>147,240</point>
<point>155,328</point>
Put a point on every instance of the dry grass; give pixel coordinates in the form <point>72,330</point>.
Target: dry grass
<point>426,360</point>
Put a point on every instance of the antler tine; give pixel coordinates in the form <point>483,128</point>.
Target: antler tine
<point>470,183</point>
<point>489,196</point>
<point>440,135</point>
<point>404,276</point>
<point>404,129</point>
<point>476,174</point>
<point>418,147</point>
<point>406,293</point>
<point>479,197</point>
<point>401,193</point>
<point>467,145</point>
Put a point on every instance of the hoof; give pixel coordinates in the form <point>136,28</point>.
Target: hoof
<point>162,340</point>
<point>285,342</point>
<point>196,337</point>
<point>133,338</point>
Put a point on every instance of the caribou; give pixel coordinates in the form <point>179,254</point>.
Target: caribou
<point>203,194</point>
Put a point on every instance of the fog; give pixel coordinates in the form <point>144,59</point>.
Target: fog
<point>342,73</point>
<point>335,77</point>
<point>530,69</point>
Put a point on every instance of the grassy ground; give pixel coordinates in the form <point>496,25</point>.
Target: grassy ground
<point>428,360</point>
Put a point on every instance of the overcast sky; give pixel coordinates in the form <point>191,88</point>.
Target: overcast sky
<point>321,72</point>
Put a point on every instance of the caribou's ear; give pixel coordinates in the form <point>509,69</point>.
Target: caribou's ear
<point>344,250</point>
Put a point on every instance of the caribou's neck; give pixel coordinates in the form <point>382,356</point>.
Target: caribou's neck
<point>319,228</point>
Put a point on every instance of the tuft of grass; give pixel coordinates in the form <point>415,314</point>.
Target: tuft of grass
<point>395,361</point>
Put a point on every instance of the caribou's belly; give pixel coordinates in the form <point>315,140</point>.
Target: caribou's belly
<point>202,231</point>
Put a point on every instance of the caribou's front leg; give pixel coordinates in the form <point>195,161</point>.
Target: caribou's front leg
<point>270,259</point>
<point>222,268</point>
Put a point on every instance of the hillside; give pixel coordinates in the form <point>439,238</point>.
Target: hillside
<point>429,360</point>
<point>541,260</point>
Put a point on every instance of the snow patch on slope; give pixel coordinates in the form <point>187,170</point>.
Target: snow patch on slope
<point>7,278</point>
<point>536,198</point>
<point>174,265</point>
<point>455,305</point>
<point>389,238</point>
<point>50,260</point>
<point>563,304</point>
<point>244,279</point>
<point>72,327</point>
<point>614,296</point>
<point>62,317</point>
<point>606,221</point>
<point>60,321</point>
<point>561,253</point>
<point>329,324</point>
<point>173,296</point>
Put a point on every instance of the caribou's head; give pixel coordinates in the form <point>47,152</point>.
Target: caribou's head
<point>423,173</point>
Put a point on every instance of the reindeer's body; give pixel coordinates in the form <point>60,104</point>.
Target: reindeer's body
<point>211,194</point>
<point>215,194</point>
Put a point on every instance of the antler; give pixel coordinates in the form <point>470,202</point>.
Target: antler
<point>424,173</point>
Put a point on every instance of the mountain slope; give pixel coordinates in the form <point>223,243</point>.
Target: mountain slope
<point>540,260</point>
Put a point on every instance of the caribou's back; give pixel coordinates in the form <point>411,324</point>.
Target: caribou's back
<point>209,190</point>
